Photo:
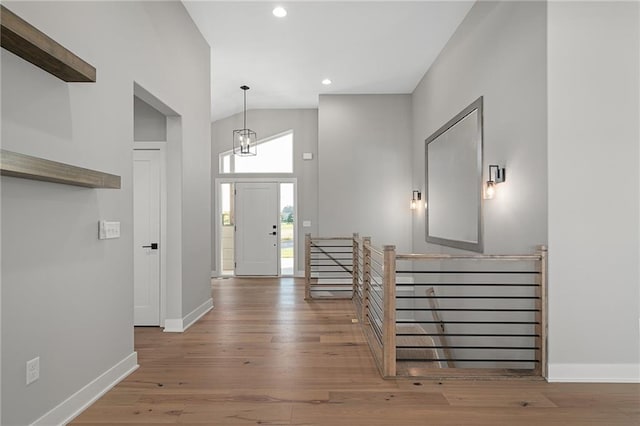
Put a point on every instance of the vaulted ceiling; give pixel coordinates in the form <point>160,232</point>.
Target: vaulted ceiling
<point>363,47</point>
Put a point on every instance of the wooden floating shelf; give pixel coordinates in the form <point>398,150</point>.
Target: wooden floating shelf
<point>28,167</point>
<point>32,45</point>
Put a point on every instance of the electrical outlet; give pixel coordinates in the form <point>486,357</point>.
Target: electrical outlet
<point>33,370</point>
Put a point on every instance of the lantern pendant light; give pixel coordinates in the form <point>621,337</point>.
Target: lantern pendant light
<point>245,140</point>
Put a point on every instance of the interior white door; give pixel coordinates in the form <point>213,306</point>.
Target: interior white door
<point>146,237</point>
<point>257,228</point>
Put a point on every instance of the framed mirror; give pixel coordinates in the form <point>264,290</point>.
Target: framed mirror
<point>454,181</point>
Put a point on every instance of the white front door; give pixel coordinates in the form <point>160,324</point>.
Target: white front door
<point>257,233</point>
<point>146,237</point>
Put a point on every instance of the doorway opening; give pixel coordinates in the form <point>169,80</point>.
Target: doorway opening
<point>235,247</point>
<point>157,196</point>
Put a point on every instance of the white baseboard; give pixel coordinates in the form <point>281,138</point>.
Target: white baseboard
<point>197,313</point>
<point>71,407</point>
<point>594,373</point>
<point>172,325</point>
<point>179,325</point>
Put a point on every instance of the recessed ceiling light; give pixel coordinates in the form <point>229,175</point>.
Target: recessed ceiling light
<point>280,12</point>
<point>326,82</point>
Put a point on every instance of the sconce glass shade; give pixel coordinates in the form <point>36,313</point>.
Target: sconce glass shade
<point>244,142</point>
<point>415,197</point>
<point>498,176</point>
<point>489,190</point>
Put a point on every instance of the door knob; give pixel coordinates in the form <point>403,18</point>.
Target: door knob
<point>153,246</point>
<point>272,233</point>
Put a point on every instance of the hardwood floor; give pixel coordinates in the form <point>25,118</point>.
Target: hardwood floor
<point>265,356</point>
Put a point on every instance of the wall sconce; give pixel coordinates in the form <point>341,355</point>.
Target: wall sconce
<point>497,177</point>
<point>415,197</point>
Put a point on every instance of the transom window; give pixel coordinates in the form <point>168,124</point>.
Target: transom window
<point>275,155</point>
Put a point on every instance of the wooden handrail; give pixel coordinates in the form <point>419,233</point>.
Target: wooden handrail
<point>374,250</point>
<point>418,256</point>
<point>331,238</point>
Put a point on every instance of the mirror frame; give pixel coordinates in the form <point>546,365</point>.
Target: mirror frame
<point>478,136</point>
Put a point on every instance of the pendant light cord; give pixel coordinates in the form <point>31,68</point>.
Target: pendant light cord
<point>244,89</point>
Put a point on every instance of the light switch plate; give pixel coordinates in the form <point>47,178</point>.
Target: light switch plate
<point>33,370</point>
<point>108,229</point>
<point>307,155</point>
<point>306,223</point>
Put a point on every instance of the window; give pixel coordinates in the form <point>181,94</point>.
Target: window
<point>227,204</point>
<point>275,155</point>
<point>287,233</point>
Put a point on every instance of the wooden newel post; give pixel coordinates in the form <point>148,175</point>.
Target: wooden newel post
<point>541,315</point>
<point>307,266</point>
<point>354,265</point>
<point>389,326</point>
<point>366,277</point>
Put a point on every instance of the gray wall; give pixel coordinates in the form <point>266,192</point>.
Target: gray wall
<point>594,190</point>
<point>149,124</point>
<point>582,77</point>
<point>364,155</point>
<point>268,122</point>
<point>499,52</point>
<point>66,296</point>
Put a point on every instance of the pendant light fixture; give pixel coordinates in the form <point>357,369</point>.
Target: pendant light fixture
<point>244,140</point>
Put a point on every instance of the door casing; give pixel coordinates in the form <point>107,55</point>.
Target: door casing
<point>218,214</point>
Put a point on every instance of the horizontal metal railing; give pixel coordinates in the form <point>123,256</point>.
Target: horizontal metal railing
<point>373,302</point>
<point>472,314</point>
<point>438,314</point>
<point>328,267</point>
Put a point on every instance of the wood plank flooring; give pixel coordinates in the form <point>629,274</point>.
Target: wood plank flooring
<point>265,356</point>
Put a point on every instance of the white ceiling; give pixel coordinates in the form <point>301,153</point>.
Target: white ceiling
<point>363,47</point>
